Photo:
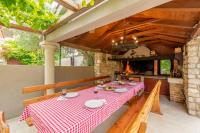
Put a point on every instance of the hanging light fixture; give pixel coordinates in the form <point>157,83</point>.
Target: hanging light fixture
<point>123,44</point>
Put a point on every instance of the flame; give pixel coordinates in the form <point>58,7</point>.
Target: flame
<point>128,69</point>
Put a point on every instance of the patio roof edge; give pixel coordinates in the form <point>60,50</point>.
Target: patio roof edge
<point>109,12</point>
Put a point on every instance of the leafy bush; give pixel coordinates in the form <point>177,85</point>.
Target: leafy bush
<point>17,52</point>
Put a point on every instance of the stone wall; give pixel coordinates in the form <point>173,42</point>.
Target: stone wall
<point>176,93</point>
<point>103,66</point>
<point>192,76</point>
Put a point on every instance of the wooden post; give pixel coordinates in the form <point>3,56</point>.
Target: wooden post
<point>155,67</point>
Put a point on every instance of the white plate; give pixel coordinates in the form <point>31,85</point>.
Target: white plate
<point>71,94</point>
<point>101,86</point>
<point>133,84</point>
<point>120,90</point>
<point>61,98</point>
<point>94,103</point>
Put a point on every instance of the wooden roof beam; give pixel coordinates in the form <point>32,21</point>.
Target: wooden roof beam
<point>174,39</point>
<point>122,30</point>
<point>172,33</point>
<point>68,4</point>
<point>104,35</point>
<point>23,28</point>
<point>171,25</point>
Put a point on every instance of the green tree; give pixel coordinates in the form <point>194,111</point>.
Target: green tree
<point>24,48</point>
<point>29,41</point>
<point>165,66</point>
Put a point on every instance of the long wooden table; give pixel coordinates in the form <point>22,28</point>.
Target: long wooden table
<point>71,116</point>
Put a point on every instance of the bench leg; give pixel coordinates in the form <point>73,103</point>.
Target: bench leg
<point>156,105</point>
<point>29,121</point>
<point>143,127</point>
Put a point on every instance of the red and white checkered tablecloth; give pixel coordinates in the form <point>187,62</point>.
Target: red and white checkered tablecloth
<point>71,116</point>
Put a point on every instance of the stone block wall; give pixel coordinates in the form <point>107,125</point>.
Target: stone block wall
<point>103,66</point>
<point>176,93</point>
<point>192,76</point>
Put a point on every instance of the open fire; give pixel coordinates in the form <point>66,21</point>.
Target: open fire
<point>128,69</point>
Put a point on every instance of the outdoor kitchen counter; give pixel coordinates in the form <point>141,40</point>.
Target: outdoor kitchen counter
<point>150,81</point>
<point>149,76</point>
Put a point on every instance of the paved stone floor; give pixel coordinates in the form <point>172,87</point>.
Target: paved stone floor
<point>174,120</point>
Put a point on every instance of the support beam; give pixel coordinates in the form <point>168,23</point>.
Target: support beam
<point>79,47</point>
<point>68,4</point>
<point>23,28</point>
<point>111,11</point>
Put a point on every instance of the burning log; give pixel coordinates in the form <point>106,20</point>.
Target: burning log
<point>128,69</point>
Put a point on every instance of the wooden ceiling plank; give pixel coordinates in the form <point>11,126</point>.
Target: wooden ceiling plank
<point>146,39</point>
<point>122,30</point>
<point>170,25</point>
<point>103,36</point>
<point>149,42</point>
<point>142,24</point>
<point>172,43</point>
<point>145,32</point>
<point>175,39</point>
<point>184,9</point>
<point>171,33</point>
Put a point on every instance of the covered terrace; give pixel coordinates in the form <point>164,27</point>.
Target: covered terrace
<point>146,60</point>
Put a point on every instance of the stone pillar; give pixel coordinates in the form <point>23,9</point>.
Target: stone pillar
<point>49,64</point>
<point>192,76</point>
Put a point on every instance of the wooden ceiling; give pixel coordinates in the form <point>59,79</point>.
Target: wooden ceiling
<point>161,29</point>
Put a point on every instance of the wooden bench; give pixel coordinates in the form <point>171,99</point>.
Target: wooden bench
<point>3,126</point>
<point>84,83</point>
<point>134,120</point>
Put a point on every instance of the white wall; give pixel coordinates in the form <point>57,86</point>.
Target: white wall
<point>14,77</point>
